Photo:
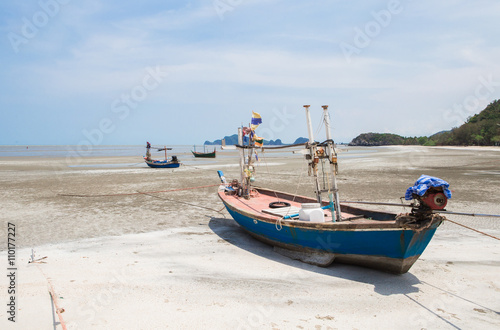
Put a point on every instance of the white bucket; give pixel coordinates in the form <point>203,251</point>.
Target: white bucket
<point>311,212</point>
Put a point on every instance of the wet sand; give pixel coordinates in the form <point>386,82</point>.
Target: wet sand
<point>120,254</point>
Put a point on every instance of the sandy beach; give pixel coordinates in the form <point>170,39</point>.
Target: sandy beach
<point>130,247</point>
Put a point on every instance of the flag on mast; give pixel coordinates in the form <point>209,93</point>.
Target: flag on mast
<point>246,131</point>
<point>258,140</point>
<point>256,120</point>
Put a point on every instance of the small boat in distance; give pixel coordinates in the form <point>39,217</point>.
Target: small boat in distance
<point>318,231</point>
<point>172,163</point>
<point>204,154</point>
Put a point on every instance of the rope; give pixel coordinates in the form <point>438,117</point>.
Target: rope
<point>268,172</point>
<point>190,204</point>
<point>250,206</point>
<point>193,166</point>
<point>270,148</point>
<point>473,229</point>
<point>253,193</point>
<point>139,193</point>
<point>53,295</point>
<point>278,224</point>
<point>302,171</point>
<point>322,121</point>
<point>298,183</point>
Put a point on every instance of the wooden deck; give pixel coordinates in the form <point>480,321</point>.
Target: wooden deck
<point>259,205</point>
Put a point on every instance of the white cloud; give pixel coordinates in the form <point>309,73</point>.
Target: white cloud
<point>266,54</point>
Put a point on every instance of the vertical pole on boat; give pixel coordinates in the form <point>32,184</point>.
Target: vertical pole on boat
<point>309,124</point>
<point>312,153</point>
<point>332,165</point>
<point>248,185</point>
<point>165,152</point>
<point>242,155</point>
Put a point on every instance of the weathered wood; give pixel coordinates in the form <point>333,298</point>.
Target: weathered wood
<point>282,211</point>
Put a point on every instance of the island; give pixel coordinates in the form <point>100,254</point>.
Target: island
<point>233,139</point>
<point>482,129</point>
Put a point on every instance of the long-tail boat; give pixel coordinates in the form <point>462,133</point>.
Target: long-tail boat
<point>165,163</point>
<point>319,231</point>
<point>204,154</point>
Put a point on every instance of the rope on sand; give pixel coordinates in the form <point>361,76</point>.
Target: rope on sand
<point>192,166</point>
<point>190,204</point>
<point>473,229</point>
<point>139,193</point>
<point>53,295</point>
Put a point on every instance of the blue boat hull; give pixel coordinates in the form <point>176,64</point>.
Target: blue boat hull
<point>163,164</point>
<point>390,249</point>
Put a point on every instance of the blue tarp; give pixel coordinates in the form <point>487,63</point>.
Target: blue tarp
<point>425,182</point>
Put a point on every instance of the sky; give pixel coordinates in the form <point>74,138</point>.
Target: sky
<point>181,72</point>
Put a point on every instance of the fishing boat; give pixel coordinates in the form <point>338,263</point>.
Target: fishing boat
<point>165,163</point>
<point>204,154</point>
<point>319,231</point>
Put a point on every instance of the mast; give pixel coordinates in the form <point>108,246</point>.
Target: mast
<point>165,152</point>
<point>242,155</point>
<point>312,153</point>
<point>248,167</point>
<point>309,124</point>
<point>332,164</point>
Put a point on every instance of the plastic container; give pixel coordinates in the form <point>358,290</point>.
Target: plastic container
<point>311,212</point>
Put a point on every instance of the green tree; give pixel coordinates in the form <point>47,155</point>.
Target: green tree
<point>422,140</point>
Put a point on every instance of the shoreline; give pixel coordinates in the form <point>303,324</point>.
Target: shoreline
<point>184,150</point>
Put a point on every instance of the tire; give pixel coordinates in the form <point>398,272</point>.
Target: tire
<point>276,205</point>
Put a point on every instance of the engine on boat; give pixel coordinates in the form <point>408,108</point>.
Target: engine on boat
<point>431,196</point>
<point>433,199</point>
<point>422,213</point>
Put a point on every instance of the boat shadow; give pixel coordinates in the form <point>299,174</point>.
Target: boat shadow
<point>385,284</point>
